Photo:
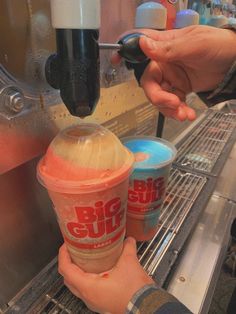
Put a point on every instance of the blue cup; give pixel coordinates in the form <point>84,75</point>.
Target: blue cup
<point>147,184</point>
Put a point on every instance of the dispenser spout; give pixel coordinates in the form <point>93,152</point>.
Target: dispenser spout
<point>75,68</point>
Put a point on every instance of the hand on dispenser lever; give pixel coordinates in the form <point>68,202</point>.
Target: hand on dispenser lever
<point>191,59</point>
<point>108,292</point>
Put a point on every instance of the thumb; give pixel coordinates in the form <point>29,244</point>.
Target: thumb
<point>129,248</point>
<point>158,50</point>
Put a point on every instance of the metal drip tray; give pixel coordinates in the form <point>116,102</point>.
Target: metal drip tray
<point>183,190</point>
<point>207,143</point>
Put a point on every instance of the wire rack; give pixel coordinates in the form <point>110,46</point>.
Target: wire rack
<point>201,150</point>
<point>59,300</point>
<point>183,190</point>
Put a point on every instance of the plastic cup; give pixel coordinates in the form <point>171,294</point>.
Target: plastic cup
<point>86,172</point>
<point>147,186</point>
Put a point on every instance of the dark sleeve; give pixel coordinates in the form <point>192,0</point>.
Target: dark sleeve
<point>225,91</point>
<point>153,300</point>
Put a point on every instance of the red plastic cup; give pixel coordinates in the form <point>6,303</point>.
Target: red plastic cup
<point>86,172</point>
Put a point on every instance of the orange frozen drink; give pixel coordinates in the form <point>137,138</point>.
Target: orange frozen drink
<point>86,172</point>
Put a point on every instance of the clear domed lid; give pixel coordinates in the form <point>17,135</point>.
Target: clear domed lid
<point>84,157</point>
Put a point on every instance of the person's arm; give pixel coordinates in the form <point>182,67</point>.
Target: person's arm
<point>226,89</point>
<point>151,299</point>
<point>122,290</point>
<point>192,59</point>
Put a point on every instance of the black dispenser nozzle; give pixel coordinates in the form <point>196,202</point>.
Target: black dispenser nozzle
<point>130,49</point>
<point>75,69</point>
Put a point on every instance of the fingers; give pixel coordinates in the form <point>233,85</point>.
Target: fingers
<point>129,246</point>
<point>79,295</point>
<point>191,114</point>
<point>115,59</point>
<point>67,269</point>
<point>129,250</point>
<point>158,96</point>
<point>181,113</point>
<point>168,34</point>
<point>165,36</point>
<point>158,87</point>
<point>76,280</point>
<point>168,103</point>
<point>160,35</point>
<point>63,258</point>
<point>164,51</point>
<point>163,98</point>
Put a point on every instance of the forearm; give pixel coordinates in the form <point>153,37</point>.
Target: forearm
<point>151,299</point>
<point>226,90</point>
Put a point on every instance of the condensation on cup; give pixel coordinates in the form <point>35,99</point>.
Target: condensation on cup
<point>148,182</point>
<point>86,172</point>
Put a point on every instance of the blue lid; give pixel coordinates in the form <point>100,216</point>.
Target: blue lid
<point>150,152</point>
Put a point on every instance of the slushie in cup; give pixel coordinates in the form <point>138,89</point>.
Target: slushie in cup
<point>86,172</point>
<point>148,182</point>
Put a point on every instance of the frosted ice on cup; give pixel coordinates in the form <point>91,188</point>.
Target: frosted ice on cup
<point>148,182</point>
<point>86,172</point>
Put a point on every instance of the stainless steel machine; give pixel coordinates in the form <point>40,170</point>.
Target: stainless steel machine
<point>186,253</point>
<point>32,112</point>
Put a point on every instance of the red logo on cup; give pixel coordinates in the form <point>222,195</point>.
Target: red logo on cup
<point>97,221</point>
<point>147,191</point>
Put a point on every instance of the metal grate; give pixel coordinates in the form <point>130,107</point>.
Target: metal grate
<point>59,300</point>
<point>202,148</point>
<point>182,191</point>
